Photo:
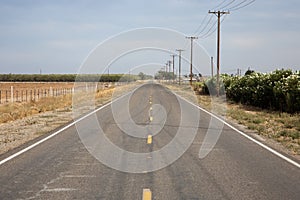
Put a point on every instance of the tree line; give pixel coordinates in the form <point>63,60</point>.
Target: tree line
<point>67,77</point>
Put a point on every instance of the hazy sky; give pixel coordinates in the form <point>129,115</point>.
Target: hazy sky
<point>56,36</point>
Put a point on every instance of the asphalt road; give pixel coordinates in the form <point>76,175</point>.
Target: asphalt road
<point>63,168</point>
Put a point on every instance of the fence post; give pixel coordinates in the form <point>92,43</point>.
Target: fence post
<point>12,94</point>
<point>50,92</point>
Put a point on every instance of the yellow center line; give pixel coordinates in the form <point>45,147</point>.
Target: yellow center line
<point>147,194</point>
<point>151,119</point>
<point>149,139</point>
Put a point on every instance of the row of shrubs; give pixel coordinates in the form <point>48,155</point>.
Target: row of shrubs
<point>66,77</point>
<point>279,90</point>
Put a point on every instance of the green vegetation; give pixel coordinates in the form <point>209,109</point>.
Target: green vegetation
<point>163,75</point>
<point>279,90</point>
<point>143,76</point>
<point>67,77</point>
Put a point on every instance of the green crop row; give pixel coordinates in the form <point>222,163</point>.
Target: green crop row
<point>279,90</point>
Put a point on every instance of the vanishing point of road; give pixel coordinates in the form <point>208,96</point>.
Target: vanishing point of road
<point>62,168</point>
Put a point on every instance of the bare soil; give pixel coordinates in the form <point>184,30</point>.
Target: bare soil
<point>38,121</point>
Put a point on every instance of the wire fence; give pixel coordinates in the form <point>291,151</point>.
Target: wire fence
<point>15,95</point>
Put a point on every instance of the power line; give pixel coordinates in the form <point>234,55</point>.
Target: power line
<point>209,30</point>
<point>173,62</point>
<point>201,24</point>
<point>191,67</point>
<point>179,63</point>
<point>206,25</point>
<point>204,19</point>
<point>215,8</point>
<point>234,8</point>
<point>222,8</point>
<point>208,34</point>
<point>238,4</point>
<point>218,14</point>
<point>203,29</point>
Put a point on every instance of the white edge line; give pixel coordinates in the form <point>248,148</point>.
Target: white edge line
<point>57,132</point>
<point>244,134</point>
<point>98,109</point>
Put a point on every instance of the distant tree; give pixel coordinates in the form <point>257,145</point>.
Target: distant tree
<point>142,76</point>
<point>249,72</point>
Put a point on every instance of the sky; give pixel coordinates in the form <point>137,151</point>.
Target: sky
<point>58,36</point>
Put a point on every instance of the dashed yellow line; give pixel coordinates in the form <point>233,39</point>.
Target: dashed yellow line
<point>151,108</point>
<point>151,118</point>
<point>147,194</point>
<point>149,139</point>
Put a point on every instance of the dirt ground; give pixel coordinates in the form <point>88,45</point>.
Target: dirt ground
<point>19,131</point>
<point>15,133</point>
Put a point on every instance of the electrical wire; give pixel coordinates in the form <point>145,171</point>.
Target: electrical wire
<point>203,29</point>
<point>222,8</point>
<point>238,4</point>
<point>234,8</point>
<point>219,5</point>
<point>200,26</point>
<point>210,33</point>
<point>214,25</point>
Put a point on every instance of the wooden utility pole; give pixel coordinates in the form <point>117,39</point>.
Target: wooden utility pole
<point>212,66</point>
<point>173,61</point>
<point>169,63</point>
<point>218,14</point>
<point>179,50</point>
<point>191,67</point>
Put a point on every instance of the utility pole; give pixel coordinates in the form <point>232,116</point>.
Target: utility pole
<point>166,69</point>
<point>179,50</point>
<point>212,66</point>
<point>173,61</point>
<point>218,14</point>
<point>191,67</point>
<point>169,63</point>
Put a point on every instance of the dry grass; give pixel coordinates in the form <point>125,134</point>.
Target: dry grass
<point>280,127</point>
<point>22,122</point>
<point>14,111</point>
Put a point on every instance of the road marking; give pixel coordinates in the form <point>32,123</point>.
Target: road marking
<point>59,190</point>
<point>244,134</point>
<point>147,194</point>
<point>151,118</point>
<point>79,176</point>
<point>57,132</point>
<point>100,108</point>
<point>149,139</point>
<point>151,108</point>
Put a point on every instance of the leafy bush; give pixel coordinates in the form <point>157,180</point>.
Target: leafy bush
<point>279,90</point>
